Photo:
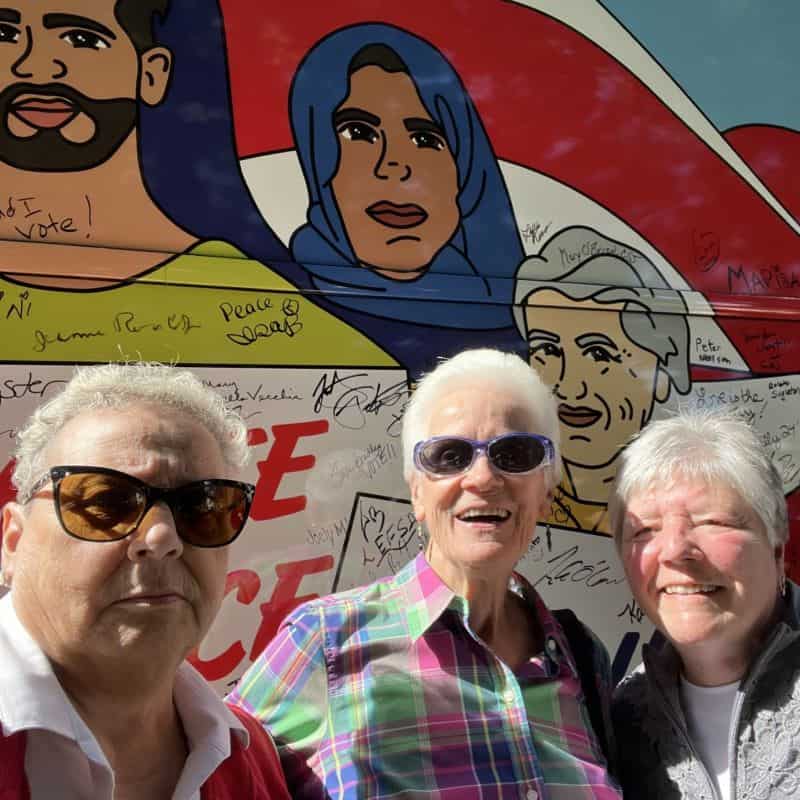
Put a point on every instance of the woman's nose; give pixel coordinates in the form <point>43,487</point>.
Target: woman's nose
<point>392,162</point>
<point>156,537</point>
<point>677,542</point>
<point>481,474</point>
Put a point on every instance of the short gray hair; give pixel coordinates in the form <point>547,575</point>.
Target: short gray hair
<point>712,447</point>
<point>119,386</point>
<point>582,264</point>
<point>478,369</point>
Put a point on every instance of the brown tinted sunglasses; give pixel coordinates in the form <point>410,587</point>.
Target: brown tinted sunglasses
<point>98,504</point>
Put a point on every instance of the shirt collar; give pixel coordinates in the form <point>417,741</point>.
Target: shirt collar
<point>206,720</point>
<point>556,645</point>
<point>428,597</point>
<point>209,725</point>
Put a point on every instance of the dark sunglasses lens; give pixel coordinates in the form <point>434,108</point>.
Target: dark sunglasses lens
<point>517,453</point>
<point>446,456</point>
<point>99,507</point>
<point>210,513</point>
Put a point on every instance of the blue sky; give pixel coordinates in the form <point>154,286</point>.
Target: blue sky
<point>739,60</point>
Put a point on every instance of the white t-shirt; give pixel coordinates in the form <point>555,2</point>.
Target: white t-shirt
<point>708,711</point>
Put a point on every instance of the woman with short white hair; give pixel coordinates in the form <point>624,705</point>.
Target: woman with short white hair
<point>700,520</point>
<point>451,679</point>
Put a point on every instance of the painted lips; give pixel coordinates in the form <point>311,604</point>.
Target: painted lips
<point>577,416</point>
<point>44,112</point>
<point>392,215</point>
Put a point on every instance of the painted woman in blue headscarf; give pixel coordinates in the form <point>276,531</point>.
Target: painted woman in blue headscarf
<point>406,200</point>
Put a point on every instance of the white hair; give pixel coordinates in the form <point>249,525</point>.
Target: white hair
<point>118,386</point>
<point>653,316</point>
<point>477,369</point>
<point>710,447</point>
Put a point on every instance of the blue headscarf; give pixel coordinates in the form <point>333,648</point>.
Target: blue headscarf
<point>469,282</point>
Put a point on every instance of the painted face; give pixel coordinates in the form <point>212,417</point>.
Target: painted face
<point>481,518</point>
<point>605,384</point>
<point>700,565</point>
<point>396,184</point>
<point>150,590</point>
<point>69,77</point>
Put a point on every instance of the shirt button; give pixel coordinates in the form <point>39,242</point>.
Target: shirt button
<point>532,794</point>
<point>508,696</point>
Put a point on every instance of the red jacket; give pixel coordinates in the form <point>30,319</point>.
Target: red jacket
<point>253,773</point>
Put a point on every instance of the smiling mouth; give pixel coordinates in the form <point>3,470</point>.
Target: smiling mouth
<point>48,112</point>
<point>407,215</point>
<point>691,589</point>
<point>491,516</point>
<point>577,416</point>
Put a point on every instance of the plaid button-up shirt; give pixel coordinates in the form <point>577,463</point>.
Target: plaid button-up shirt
<point>384,691</point>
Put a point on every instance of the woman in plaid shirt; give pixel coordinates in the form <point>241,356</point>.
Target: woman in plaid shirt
<point>450,679</point>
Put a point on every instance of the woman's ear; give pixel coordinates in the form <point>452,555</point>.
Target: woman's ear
<point>12,525</point>
<point>662,387</point>
<point>547,502</point>
<point>780,561</point>
<point>416,497</point>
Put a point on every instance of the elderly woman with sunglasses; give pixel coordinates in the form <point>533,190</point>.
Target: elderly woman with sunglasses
<point>451,679</point>
<point>115,552</point>
<point>700,520</point>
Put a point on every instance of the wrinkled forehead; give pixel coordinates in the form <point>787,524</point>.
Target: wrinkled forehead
<point>466,397</point>
<point>553,298</point>
<point>693,490</point>
<point>119,437</point>
<point>549,314</point>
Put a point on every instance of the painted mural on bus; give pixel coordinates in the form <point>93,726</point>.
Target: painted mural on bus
<point>311,210</point>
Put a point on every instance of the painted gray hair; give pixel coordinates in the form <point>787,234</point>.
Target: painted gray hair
<point>478,369</point>
<point>118,386</point>
<point>582,264</point>
<point>711,447</point>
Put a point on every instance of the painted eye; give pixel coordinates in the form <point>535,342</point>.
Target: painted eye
<point>358,132</point>
<point>598,353</point>
<point>81,39</point>
<point>427,140</point>
<point>545,350</point>
<point>8,33</point>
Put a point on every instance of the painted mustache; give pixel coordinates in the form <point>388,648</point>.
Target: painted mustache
<point>50,105</point>
<point>47,108</point>
<point>44,112</point>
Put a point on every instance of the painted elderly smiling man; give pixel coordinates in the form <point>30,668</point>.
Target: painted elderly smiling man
<point>116,555</point>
